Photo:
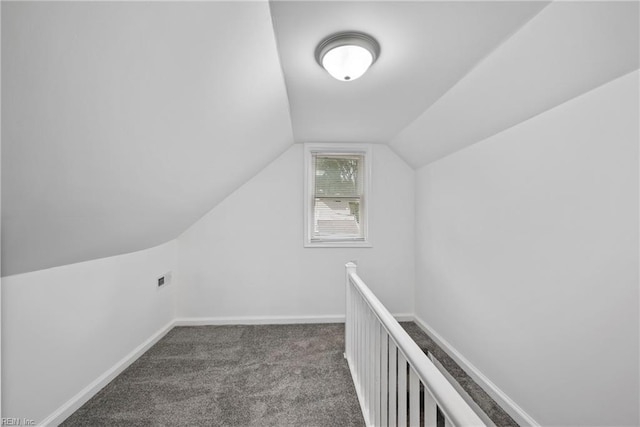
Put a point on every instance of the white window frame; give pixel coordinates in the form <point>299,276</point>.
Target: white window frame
<point>310,149</point>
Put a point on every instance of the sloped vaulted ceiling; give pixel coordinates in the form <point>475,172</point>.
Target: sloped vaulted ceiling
<point>566,50</point>
<point>124,122</point>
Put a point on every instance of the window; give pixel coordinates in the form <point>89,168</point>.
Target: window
<point>337,194</point>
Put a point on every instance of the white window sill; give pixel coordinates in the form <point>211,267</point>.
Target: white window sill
<point>337,244</point>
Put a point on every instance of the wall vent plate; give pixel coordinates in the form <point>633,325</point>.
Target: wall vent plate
<point>164,280</point>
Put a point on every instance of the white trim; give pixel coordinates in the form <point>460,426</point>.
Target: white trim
<point>453,406</point>
<point>338,244</point>
<point>258,320</point>
<point>510,407</point>
<point>365,150</point>
<point>271,320</point>
<point>63,412</point>
<point>462,392</point>
<point>404,317</point>
<point>73,404</point>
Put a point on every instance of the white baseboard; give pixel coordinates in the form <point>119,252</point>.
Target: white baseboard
<point>509,406</point>
<point>271,320</point>
<point>404,317</point>
<point>73,404</point>
<point>463,393</point>
<point>257,320</point>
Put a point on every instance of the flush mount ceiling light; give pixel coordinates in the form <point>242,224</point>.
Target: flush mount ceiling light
<point>347,56</point>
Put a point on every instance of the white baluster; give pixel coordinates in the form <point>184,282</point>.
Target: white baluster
<point>376,371</point>
<point>369,379</point>
<point>414,399</point>
<point>358,343</point>
<point>384,377</point>
<point>430,410</point>
<point>402,390</point>
<point>362,351</point>
<point>367,372</point>
<point>393,384</point>
<point>380,355</point>
<point>347,321</point>
<point>353,325</point>
<point>362,347</point>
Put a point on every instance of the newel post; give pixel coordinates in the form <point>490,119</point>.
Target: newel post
<point>351,267</point>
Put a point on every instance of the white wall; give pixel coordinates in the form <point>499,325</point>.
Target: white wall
<point>246,258</point>
<point>527,258</point>
<point>64,327</point>
<point>526,262</point>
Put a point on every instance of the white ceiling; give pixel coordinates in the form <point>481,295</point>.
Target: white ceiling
<point>124,122</point>
<point>426,47</point>
<point>567,49</point>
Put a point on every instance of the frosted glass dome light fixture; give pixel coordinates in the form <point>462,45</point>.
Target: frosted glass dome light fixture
<point>348,55</point>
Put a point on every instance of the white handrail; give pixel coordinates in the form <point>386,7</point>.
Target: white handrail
<point>451,404</point>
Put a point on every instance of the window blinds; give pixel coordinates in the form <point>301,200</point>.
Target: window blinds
<point>337,197</point>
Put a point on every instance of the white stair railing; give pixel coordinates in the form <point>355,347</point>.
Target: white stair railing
<point>389,370</point>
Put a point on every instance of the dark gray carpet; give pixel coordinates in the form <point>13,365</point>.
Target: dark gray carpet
<point>275,375</point>
<point>484,401</point>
